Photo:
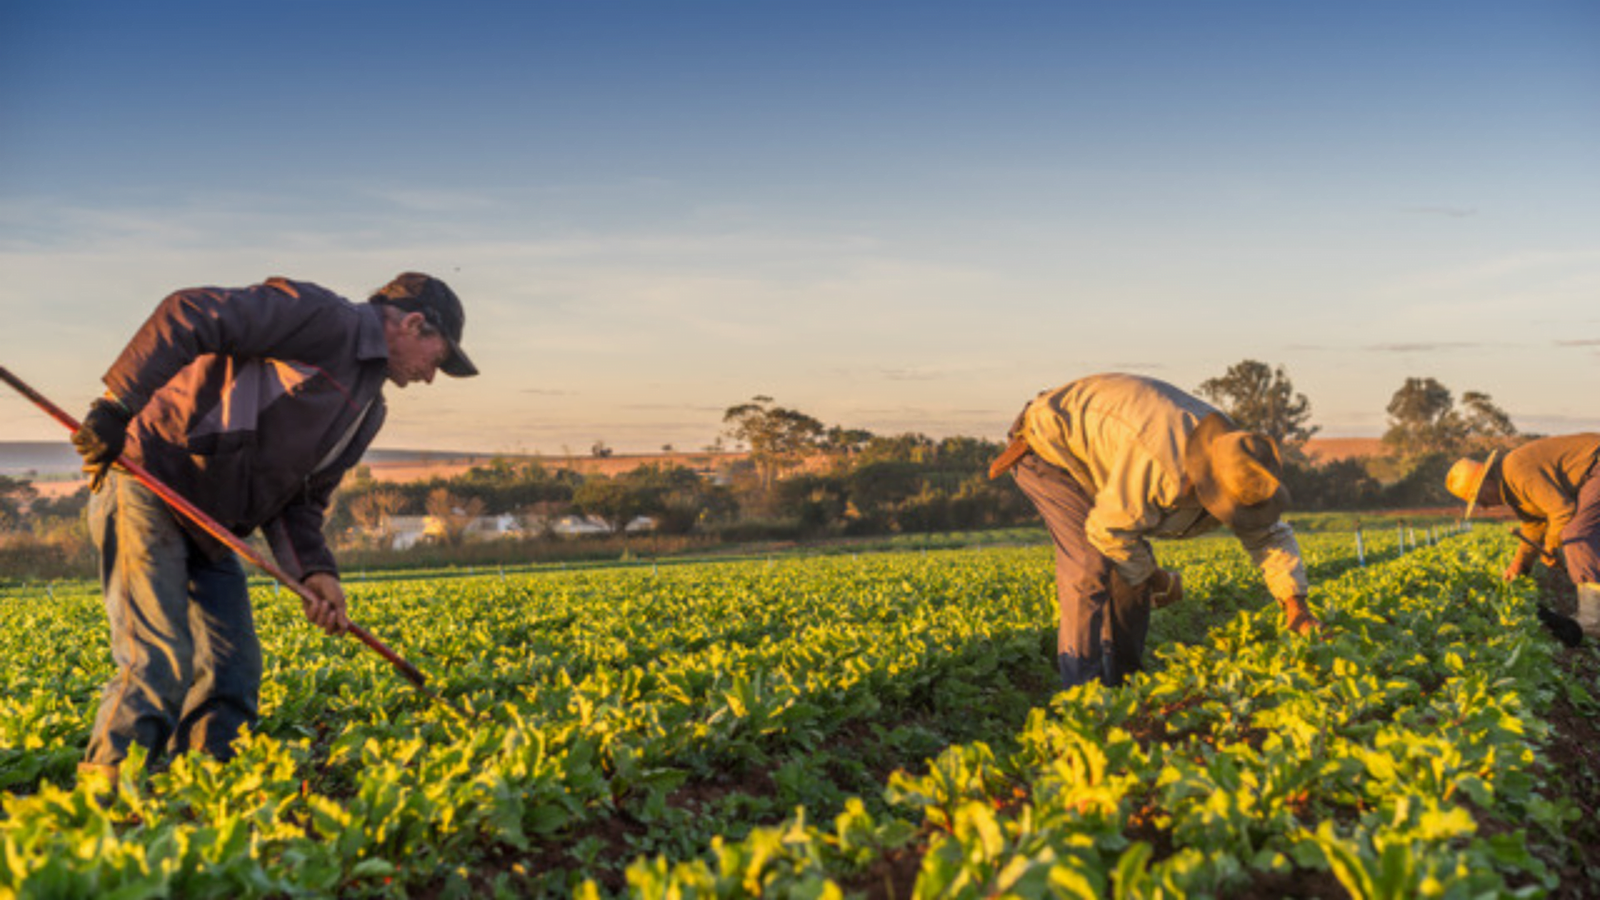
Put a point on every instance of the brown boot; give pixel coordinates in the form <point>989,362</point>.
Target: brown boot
<point>1297,616</point>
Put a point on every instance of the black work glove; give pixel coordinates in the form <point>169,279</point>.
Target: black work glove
<point>100,438</point>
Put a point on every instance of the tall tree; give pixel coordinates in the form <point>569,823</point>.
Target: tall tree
<point>1423,421</point>
<point>1260,398</point>
<point>778,438</point>
<point>846,441</point>
<point>1487,424</point>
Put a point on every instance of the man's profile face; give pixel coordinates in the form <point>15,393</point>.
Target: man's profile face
<point>416,351</point>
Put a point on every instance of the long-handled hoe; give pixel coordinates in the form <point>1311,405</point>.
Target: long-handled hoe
<point>216,530</point>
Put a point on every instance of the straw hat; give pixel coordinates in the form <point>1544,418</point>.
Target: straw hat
<point>1238,475</point>
<point>1465,480</point>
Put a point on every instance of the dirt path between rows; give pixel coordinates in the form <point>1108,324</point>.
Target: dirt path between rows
<point>1573,755</point>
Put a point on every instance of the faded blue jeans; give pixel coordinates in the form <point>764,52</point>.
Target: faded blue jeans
<point>182,633</point>
<point>1103,621</point>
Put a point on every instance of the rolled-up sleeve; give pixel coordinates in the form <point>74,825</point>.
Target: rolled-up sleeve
<point>1127,550</point>
<point>1276,553</point>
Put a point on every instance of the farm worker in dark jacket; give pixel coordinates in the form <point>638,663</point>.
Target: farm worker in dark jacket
<point>251,403</point>
<point>1111,461</point>
<point>1552,486</point>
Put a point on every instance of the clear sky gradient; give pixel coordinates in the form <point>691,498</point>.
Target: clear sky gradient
<point>891,215</point>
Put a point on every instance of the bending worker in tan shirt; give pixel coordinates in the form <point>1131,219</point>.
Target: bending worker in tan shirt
<point>1551,485</point>
<point>1111,461</point>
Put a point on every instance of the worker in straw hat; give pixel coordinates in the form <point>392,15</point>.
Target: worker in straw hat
<point>1113,460</point>
<point>1551,485</point>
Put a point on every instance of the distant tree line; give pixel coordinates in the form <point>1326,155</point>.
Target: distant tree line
<point>803,478</point>
<point>800,479</point>
<point>42,537</point>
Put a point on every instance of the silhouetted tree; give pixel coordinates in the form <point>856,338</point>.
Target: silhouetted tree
<point>817,502</point>
<point>677,498</point>
<point>1259,398</point>
<point>1487,424</point>
<point>778,438</point>
<point>1423,421</point>
<point>615,501</point>
<point>846,441</point>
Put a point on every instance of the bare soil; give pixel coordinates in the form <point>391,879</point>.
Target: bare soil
<point>1573,758</point>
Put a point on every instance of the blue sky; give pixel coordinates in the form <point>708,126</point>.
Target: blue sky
<point>894,216</point>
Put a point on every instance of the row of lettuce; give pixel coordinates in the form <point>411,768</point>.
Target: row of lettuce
<point>813,729</point>
<point>1397,758</point>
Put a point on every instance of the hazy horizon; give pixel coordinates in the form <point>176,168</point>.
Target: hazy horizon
<point>51,460</point>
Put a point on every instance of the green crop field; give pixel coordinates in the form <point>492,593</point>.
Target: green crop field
<point>875,725</point>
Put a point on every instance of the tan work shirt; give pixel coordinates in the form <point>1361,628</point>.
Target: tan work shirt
<point>1540,482</point>
<point>1123,437</point>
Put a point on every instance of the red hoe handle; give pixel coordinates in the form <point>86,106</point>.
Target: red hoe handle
<point>216,530</point>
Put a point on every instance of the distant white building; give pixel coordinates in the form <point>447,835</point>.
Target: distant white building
<point>574,524</point>
<point>406,532</point>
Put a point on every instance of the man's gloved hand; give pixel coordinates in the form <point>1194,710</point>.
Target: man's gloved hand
<point>1297,616</point>
<point>1165,588</point>
<point>100,438</point>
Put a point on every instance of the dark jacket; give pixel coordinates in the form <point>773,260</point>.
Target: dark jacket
<point>242,395</point>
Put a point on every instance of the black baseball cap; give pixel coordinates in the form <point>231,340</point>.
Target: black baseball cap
<point>416,292</point>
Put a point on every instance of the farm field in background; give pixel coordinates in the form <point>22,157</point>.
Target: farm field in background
<point>868,724</point>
